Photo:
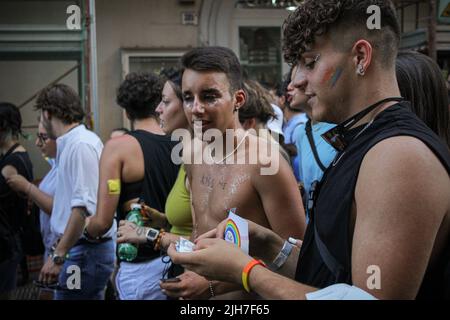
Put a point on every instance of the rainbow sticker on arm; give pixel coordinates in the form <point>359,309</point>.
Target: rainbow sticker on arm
<point>232,234</point>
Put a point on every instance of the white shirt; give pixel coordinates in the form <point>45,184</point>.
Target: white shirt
<point>340,291</point>
<point>276,124</point>
<point>48,186</point>
<point>77,159</point>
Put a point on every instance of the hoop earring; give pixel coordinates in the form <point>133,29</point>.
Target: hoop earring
<point>360,70</point>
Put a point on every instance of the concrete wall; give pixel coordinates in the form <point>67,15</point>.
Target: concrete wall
<point>147,24</point>
<point>410,17</point>
<point>15,12</point>
<point>19,80</point>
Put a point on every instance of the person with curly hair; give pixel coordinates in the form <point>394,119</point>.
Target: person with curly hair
<point>75,198</point>
<point>14,160</point>
<point>136,167</point>
<point>380,217</point>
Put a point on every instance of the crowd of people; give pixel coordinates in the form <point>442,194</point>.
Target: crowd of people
<point>361,190</point>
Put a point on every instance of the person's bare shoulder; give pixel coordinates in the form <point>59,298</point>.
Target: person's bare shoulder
<point>405,166</point>
<point>401,199</point>
<point>269,160</point>
<point>121,147</point>
<point>403,153</point>
<point>8,171</point>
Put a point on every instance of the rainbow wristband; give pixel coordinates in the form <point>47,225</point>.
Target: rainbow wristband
<point>246,272</point>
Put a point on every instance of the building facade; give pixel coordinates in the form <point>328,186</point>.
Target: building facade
<point>40,43</point>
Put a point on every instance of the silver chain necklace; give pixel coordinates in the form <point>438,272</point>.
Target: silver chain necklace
<point>230,154</point>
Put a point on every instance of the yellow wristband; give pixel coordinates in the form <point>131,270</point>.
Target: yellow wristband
<point>246,272</point>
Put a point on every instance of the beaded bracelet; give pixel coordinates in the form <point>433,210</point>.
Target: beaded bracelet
<point>211,289</point>
<point>157,246</point>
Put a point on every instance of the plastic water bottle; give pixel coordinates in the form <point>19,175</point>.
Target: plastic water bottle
<point>128,251</point>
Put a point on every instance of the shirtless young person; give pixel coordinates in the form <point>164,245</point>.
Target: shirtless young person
<point>380,219</point>
<point>212,95</point>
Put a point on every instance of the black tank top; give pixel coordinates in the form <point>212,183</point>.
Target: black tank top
<point>160,175</point>
<point>11,203</point>
<point>325,257</point>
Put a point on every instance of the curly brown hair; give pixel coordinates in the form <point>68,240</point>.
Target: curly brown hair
<point>338,17</point>
<point>139,94</point>
<point>62,102</point>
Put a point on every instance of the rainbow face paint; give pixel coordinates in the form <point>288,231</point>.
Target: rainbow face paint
<point>327,76</point>
<point>336,77</point>
<point>332,76</point>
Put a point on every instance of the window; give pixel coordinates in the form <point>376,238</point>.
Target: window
<point>260,54</point>
<point>147,61</point>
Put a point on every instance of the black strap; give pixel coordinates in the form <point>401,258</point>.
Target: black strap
<point>335,137</point>
<point>10,150</point>
<point>330,261</point>
<point>308,129</point>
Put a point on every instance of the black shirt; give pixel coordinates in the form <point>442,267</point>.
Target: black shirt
<point>11,204</point>
<point>160,175</point>
<point>332,213</point>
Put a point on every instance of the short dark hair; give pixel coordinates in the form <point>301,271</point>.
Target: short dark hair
<point>10,119</point>
<point>217,59</point>
<point>257,103</point>
<point>422,83</point>
<point>62,102</point>
<point>338,17</point>
<point>173,76</point>
<point>139,94</point>
<point>124,130</point>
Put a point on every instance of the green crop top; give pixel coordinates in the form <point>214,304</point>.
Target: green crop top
<point>178,207</point>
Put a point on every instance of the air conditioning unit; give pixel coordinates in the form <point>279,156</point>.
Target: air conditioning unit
<point>189,18</point>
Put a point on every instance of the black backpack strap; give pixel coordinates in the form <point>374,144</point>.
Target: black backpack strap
<point>330,261</point>
<point>308,129</point>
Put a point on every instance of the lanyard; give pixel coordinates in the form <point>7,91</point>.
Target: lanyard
<point>335,137</point>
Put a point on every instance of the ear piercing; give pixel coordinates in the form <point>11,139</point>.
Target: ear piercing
<point>360,70</point>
